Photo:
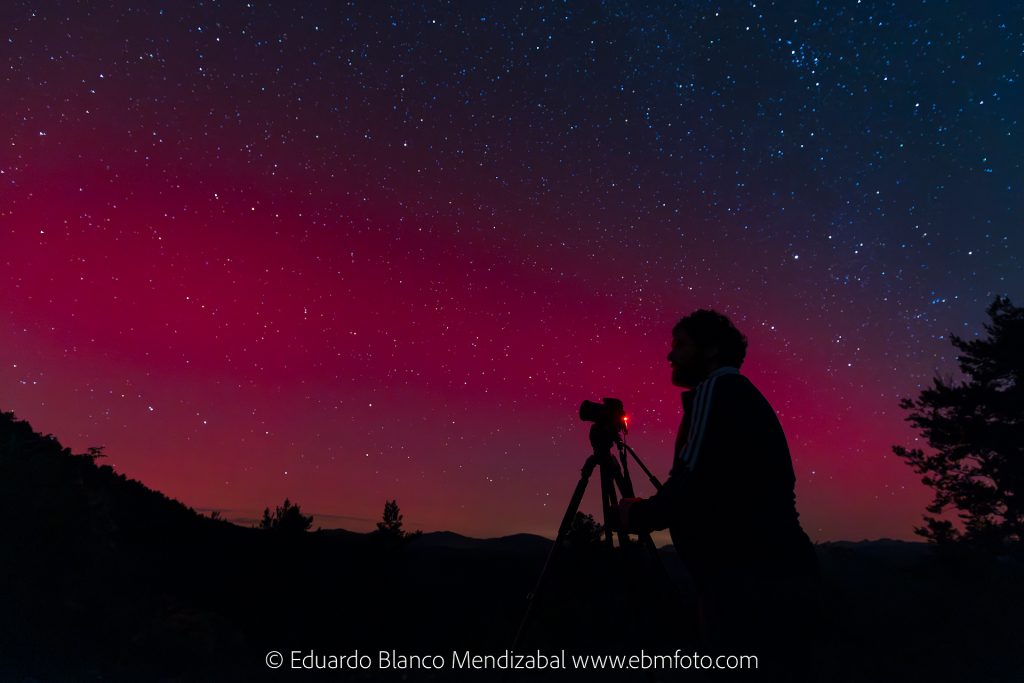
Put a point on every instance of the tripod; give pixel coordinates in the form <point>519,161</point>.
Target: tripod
<point>603,435</point>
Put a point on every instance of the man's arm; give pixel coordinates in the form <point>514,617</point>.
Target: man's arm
<point>658,511</point>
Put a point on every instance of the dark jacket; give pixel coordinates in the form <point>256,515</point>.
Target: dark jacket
<point>729,501</point>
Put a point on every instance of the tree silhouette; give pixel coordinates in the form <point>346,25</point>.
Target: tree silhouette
<point>286,519</point>
<point>976,429</point>
<point>391,524</point>
<point>584,532</point>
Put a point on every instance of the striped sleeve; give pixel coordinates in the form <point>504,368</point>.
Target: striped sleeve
<point>698,426</point>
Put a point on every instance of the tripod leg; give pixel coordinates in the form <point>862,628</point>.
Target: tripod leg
<point>608,501</point>
<point>611,476</point>
<point>563,529</point>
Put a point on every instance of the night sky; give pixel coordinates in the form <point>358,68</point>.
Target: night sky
<point>346,252</point>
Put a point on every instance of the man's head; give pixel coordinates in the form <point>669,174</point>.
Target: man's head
<point>701,342</point>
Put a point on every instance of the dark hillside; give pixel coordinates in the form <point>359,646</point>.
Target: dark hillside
<point>103,579</point>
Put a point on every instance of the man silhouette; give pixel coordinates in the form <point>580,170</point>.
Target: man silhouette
<point>729,504</point>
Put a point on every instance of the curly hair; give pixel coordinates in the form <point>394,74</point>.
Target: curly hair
<point>710,328</point>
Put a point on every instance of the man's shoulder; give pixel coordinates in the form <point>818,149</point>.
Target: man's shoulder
<point>727,379</point>
<point>733,387</point>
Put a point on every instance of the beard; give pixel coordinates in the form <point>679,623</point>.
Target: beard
<point>684,378</point>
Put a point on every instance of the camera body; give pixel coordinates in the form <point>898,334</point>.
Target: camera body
<point>608,413</point>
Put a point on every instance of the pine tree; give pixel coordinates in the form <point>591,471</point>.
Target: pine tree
<point>391,524</point>
<point>976,431</point>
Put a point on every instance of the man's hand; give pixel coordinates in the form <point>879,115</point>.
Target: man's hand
<point>620,520</point>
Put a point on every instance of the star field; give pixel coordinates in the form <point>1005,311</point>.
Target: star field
<point>348,252</point>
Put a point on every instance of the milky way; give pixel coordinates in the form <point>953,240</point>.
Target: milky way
<point>350,252</point>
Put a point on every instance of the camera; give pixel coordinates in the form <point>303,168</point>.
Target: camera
<point>609,412</point>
